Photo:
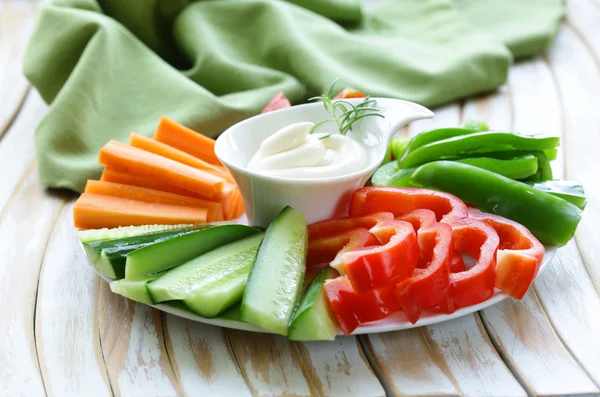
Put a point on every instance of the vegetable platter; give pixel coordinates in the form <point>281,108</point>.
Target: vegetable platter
<point>424,230</point>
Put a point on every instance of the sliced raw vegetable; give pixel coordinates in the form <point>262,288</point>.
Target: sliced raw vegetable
<point>552,220</point>
<point>313,320</point>
<point>108,256</point>
<point>571,191</point>
<point>279,101</point>
<point>187,140</point>
<point>475,143</point>
<point>116,176</point>
<point>161,256</point>
<point>94,211</point>
<point>402,178</point>
<point>85,236</point>
<point>348,93</point>
<point>214,210</point>
<point>133,289</point>
<point>427,137</point>
<point>210,283</point>
<point>275,283</point>
<point>519,167</point>
<point>477,125</point>
<point>139,162</point>
<point>398,146</point>
<point>384,173</point>
<point>162,149</point>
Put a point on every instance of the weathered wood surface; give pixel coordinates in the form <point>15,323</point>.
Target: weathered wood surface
<point>65,333</point>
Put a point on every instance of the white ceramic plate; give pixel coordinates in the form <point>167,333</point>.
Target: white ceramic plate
<point>395,322</point>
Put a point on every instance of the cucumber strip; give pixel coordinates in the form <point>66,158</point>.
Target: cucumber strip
<point>164,255</point>
<point>103,267</point>
<point>275,283</point>
<point>210,283</point>
<point>133,289</point>
<point>85,236</point>
<point>313,319</point>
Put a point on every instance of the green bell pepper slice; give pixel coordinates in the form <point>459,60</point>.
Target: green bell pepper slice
<point>384,173</point>
<point>427,137</point>
<point>551,219</point>
<point>477,143</point>
<point>571,191</point>
<point>519,167</point>
<point>475,125</point>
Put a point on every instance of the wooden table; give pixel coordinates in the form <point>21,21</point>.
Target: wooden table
<point>64,333</point>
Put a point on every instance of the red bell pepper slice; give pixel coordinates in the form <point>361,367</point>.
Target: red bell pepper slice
<point>382,265</point>
<point>324,250</point>
<point>519,256</point>
<point>279,101</point>
<point>457,264</point>
<point>399,201</point>
<point>476,284</point>
<point>348,93</point>
<point>429,286</point>
<point>336,226</point>
<point>352,309</point>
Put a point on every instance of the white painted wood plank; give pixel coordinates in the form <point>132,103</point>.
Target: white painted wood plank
<point>66,328</point>
<point>203,360</point>
<point>270,364</point>
<point>571,303</point>
<point>25,226</point>
<point>407,365</point>
<point>16,23</point>
<point>520,331</point>
<point>17,150</point>
<point>578,79</point>
<point>133,348</point>
<point>339,368</point>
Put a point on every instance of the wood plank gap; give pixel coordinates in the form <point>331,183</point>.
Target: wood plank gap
<point>51,237</point>
<point>560,337</point>
<point>17,187</point>
<point>506,359</point>
<point>570,25</point>
<point>110,385</point>
<point>237,361</point>
<point>435,352</point>
<point>97,313</point>
<point>363,342</point>
<point>163,330</point>
<point>11,119</point>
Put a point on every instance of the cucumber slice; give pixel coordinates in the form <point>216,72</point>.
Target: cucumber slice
<point>313,319</point>
<point>108,256</point>
<point>210,283</point>
<point>86,236</point>
<point>275,283</point>
<point>133,289</point>
<point>161,256</point>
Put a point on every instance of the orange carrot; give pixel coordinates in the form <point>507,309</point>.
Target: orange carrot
<point>215,212</point>
<point>348,93</point>
<point>94,211</point>
<point>116,176</point>
<point>187,140</point>
<point>227,199</point>
<point>279,101</point>
<point>239,208</point>
<point>162,149</point>
<point>142,163</point>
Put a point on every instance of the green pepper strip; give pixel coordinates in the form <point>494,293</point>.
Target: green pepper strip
<point>480,142</point>
<point>551,219</point>
<point>427,137</point>
<point>571,191</point>
<point>517,168</point>
<point>398,146</point>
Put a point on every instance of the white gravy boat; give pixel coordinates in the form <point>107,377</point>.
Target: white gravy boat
<point>265,196</point>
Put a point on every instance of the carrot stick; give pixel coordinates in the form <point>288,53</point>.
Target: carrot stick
<point>94,211</point>
<point>215,212</point>
<point>227,199</point>
<point>139,162</point>
<point>187,140</point>
<point>162,149</point>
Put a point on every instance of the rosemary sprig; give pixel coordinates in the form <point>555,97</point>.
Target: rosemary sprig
<point>344,113</point>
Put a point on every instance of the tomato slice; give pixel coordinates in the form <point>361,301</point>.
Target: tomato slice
<point>519,255</point>
<point>279,101</point>
<point>348,93</point>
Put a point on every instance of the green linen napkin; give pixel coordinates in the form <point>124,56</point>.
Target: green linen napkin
<point>111,67</point>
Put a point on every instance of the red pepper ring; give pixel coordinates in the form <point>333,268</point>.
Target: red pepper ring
<point>399,201</point>
<point>519,256</point>
<point>324,250</point>
<point>476,284</point>
<point>352,309</point>
<point>336,226</point>
<point>382,265</point>
<point>427,287</point>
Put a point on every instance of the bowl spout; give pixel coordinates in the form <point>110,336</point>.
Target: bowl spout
<point>399,113</point>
